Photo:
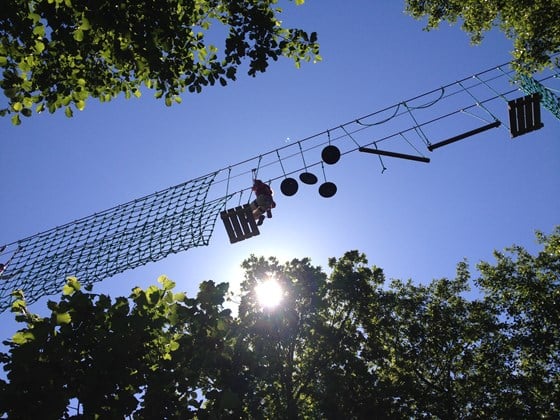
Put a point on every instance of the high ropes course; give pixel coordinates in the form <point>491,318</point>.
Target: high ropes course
<point>184,216</point>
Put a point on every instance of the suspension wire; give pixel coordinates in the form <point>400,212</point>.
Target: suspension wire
<point>410,144</point>
<point>417,126</point>
<point>383,167</point>
<point>478,103</point>
<point>490,87</point>
<point>397,107</point>
<point>350,135</point>
<point>227,185</point>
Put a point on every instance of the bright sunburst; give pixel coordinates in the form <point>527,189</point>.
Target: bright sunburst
<point>269,293</point>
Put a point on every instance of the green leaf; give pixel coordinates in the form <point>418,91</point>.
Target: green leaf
<point>18,305</point>
<point>34,17</point>
<point>85,26</point>
<point>39,30</point>
<point>67,290</point>
<point>16,120</point>
<point>68,112</point>
<point>80,105</point>
<point>39,47</point>
<point>3,61</point>
<point>17,106</point>
<point>299,2</point>
<point>79,35</point>
<point>166,282</point>
<point>22,337</point>
<point>73,283</point>
<point>64,318</point>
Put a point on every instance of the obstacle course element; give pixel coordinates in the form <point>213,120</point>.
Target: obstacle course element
<point>525,114</point>
<point>394,154</point>
<point>184,216</point>
<point>549,99</point>
<point>112,241</point>
<point>464,135</point>
<point>240,223</point>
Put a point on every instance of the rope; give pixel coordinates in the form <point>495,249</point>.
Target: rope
<point>417,126</point>
<point>112,241</point>
<point>478,103</point>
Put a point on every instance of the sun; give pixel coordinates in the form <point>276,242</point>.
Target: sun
<point>269,293</point>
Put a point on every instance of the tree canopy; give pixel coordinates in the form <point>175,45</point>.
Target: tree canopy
<point>532,25</point>
<point>347,344</point>
<point>58,53</point>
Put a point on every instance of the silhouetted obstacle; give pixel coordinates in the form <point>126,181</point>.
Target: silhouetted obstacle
<point>394,154</point>
<point>525,114</point>
<point>462,136</point>
<point>178,218</point>
<point>240,223</point>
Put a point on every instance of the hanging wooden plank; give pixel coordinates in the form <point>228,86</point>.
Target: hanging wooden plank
<point>464,135</point>
<point>394,154</point>
<point>525,114</point>
<point>239,223</point>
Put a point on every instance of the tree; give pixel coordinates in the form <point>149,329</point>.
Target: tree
<point>58,53</point>
<point>532,25</point>
<point>343,345</point>
<point>525,290</point>
<point>111,359</point>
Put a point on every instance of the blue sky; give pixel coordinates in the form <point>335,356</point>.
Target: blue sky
<point>415,220</point>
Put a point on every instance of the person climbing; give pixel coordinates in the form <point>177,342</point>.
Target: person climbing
<point>263,202</point>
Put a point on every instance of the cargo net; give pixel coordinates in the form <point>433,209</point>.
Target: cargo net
<point>549,99</point>
<point>104,244</point>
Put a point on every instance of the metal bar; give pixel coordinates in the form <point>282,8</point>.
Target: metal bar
<point>393,154</point>
<point>495,124</point>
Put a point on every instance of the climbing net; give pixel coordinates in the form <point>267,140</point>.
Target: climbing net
<point>112,241</point>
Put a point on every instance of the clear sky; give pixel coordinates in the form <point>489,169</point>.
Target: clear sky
<point>415,220</point>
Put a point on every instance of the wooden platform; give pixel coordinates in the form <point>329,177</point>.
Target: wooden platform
<point>239,223</point>
<point>525,114</point>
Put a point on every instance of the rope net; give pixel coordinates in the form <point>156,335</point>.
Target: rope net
<point>107,243</point>
<point>549,100</point>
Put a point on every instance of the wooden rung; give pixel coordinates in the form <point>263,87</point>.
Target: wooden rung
<point>239,223</point>
<point>525,114</point>
<point>462,136</point>
<point>394,154</point>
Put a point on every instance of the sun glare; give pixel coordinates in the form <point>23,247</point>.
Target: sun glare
<point>269,293</point>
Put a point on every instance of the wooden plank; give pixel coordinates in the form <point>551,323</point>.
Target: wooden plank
<point>235,223</point>
<point>394,154</point>
<point>462,136</point>
<point>528,108</point>
<point>513,129</point>
<point>520,111</point>
<point>536,104</point>
<point>251,220</point>
<point>229,228</point>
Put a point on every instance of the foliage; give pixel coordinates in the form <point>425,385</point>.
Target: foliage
<point>58,53</point>
<point>343,345</point>
<point>105,356</point>
<point>532,25</point>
